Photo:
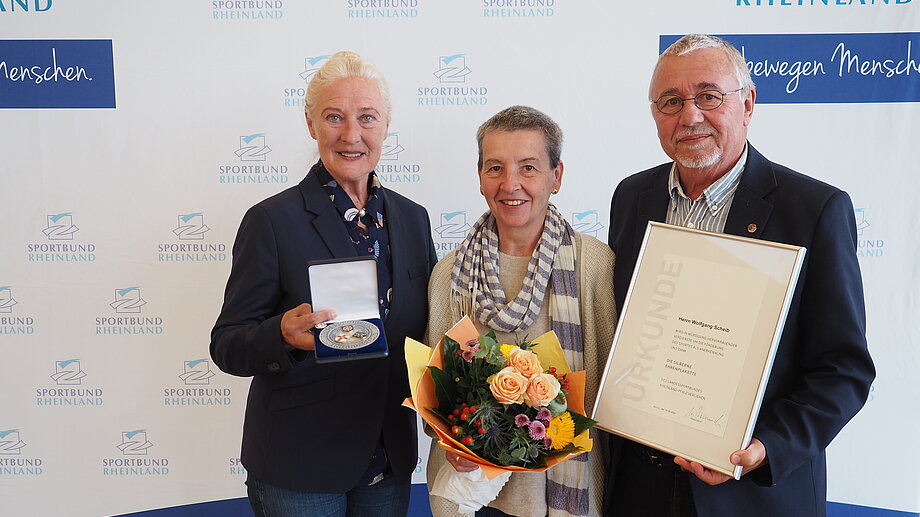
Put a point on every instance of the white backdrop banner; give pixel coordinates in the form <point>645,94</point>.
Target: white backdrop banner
<point>134,134</point>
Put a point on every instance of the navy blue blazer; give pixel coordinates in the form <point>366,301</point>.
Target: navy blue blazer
<point>314,427</point>
<point>822,371</point>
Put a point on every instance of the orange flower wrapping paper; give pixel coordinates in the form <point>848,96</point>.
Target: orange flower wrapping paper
<point>423,399</point>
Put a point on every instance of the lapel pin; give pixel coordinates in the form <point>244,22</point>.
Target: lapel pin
<point>752,228</point>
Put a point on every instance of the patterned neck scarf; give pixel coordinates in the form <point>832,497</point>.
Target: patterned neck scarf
<point>475,276</point>
<point>372,240</point>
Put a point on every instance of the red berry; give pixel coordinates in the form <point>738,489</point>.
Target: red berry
<point>477,422</point>
<point>472,408</point>
<point>457,412</point>
<point>450,418</point>
<point>467,440</point>
<point>455,429</point>
<point>464,417</point>
<point>463,405</point>
<point>552,369</point>
<point>482,430</point>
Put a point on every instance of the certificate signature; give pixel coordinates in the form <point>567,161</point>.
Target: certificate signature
<point>699,414</point>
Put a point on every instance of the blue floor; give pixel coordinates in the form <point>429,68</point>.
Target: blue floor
<point>418,507</point>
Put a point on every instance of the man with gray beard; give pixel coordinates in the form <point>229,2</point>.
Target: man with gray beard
<point>702,99</point>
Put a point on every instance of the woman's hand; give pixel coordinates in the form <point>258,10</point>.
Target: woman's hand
<point>460,464</point>
<point>297,325</point>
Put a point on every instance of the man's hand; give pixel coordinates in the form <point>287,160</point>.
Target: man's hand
<point>297,324</point>
<point>751,458</point>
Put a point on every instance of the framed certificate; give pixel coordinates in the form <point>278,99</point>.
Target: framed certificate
<point>350,287</point>
<point>695,342</point>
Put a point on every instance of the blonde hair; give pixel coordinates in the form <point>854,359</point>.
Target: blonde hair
<point>346,64</point>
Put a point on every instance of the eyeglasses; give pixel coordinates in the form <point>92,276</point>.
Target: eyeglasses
<point>706,100</point>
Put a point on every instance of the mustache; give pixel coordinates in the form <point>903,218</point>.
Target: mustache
<point>694,131</point>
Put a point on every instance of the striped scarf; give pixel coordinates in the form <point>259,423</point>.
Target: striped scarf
<point>476,291</point>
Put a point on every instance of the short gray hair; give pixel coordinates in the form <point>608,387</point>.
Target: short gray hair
<point>693,42</point>
<point>522,118</point>
<point>346,64</point>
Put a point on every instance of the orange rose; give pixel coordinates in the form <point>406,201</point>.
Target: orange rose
<point>525,361</point>
<point>508,386</point>
<point>542,389</point>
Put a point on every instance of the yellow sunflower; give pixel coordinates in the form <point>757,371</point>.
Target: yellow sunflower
<point>562,430</point>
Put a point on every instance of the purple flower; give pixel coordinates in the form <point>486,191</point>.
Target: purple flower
<point>521,420</point>
<point>468,355</point>
<point>537,430</point>
<point>548,442</point>
<point>545,414</point>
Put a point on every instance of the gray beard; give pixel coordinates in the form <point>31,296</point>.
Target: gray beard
<point>701,162</point>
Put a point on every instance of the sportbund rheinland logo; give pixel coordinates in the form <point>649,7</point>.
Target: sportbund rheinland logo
<point>191,227</point>
<point>68,390</point>
<point>868,243</point>
<point>294,97</point>
<point>450,232</point>
<point>12,461</point>
<point>134,443</point>
<point>7,302</point>
<point>250,10</point>
<point>135,459</point>
<point>371,9</point>
<point>68,373</point>
<point>390,149</point>
<point>10,323</point>
<point>452,69</point>
<point>195,375</point>
<point>60,227</point>
<point>587,222</point>
<point>128,301</point>
<point>10,443</point>
<point>252,152</point>
<point>60,230</point>
<point>518,8</point>
<point>452,74</point>
<point>391,169</point>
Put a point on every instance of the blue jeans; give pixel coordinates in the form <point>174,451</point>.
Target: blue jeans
<point>388,498</point>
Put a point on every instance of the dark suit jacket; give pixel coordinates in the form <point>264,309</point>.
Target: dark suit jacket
<point>314,427</point>
<point>822,371</point>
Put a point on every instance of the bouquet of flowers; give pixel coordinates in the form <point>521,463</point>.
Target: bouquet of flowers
<point>507,408</point>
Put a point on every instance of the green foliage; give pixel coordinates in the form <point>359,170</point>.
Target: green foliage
<point>444,386</point>
<point>581,422</point>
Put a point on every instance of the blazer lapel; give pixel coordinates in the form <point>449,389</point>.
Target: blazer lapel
<point>398,247</point>
<point>653,202</point>
<point>750,211</point>
<point>327,222</point>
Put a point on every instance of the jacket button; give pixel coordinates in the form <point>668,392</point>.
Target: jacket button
<point>274,367</point>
